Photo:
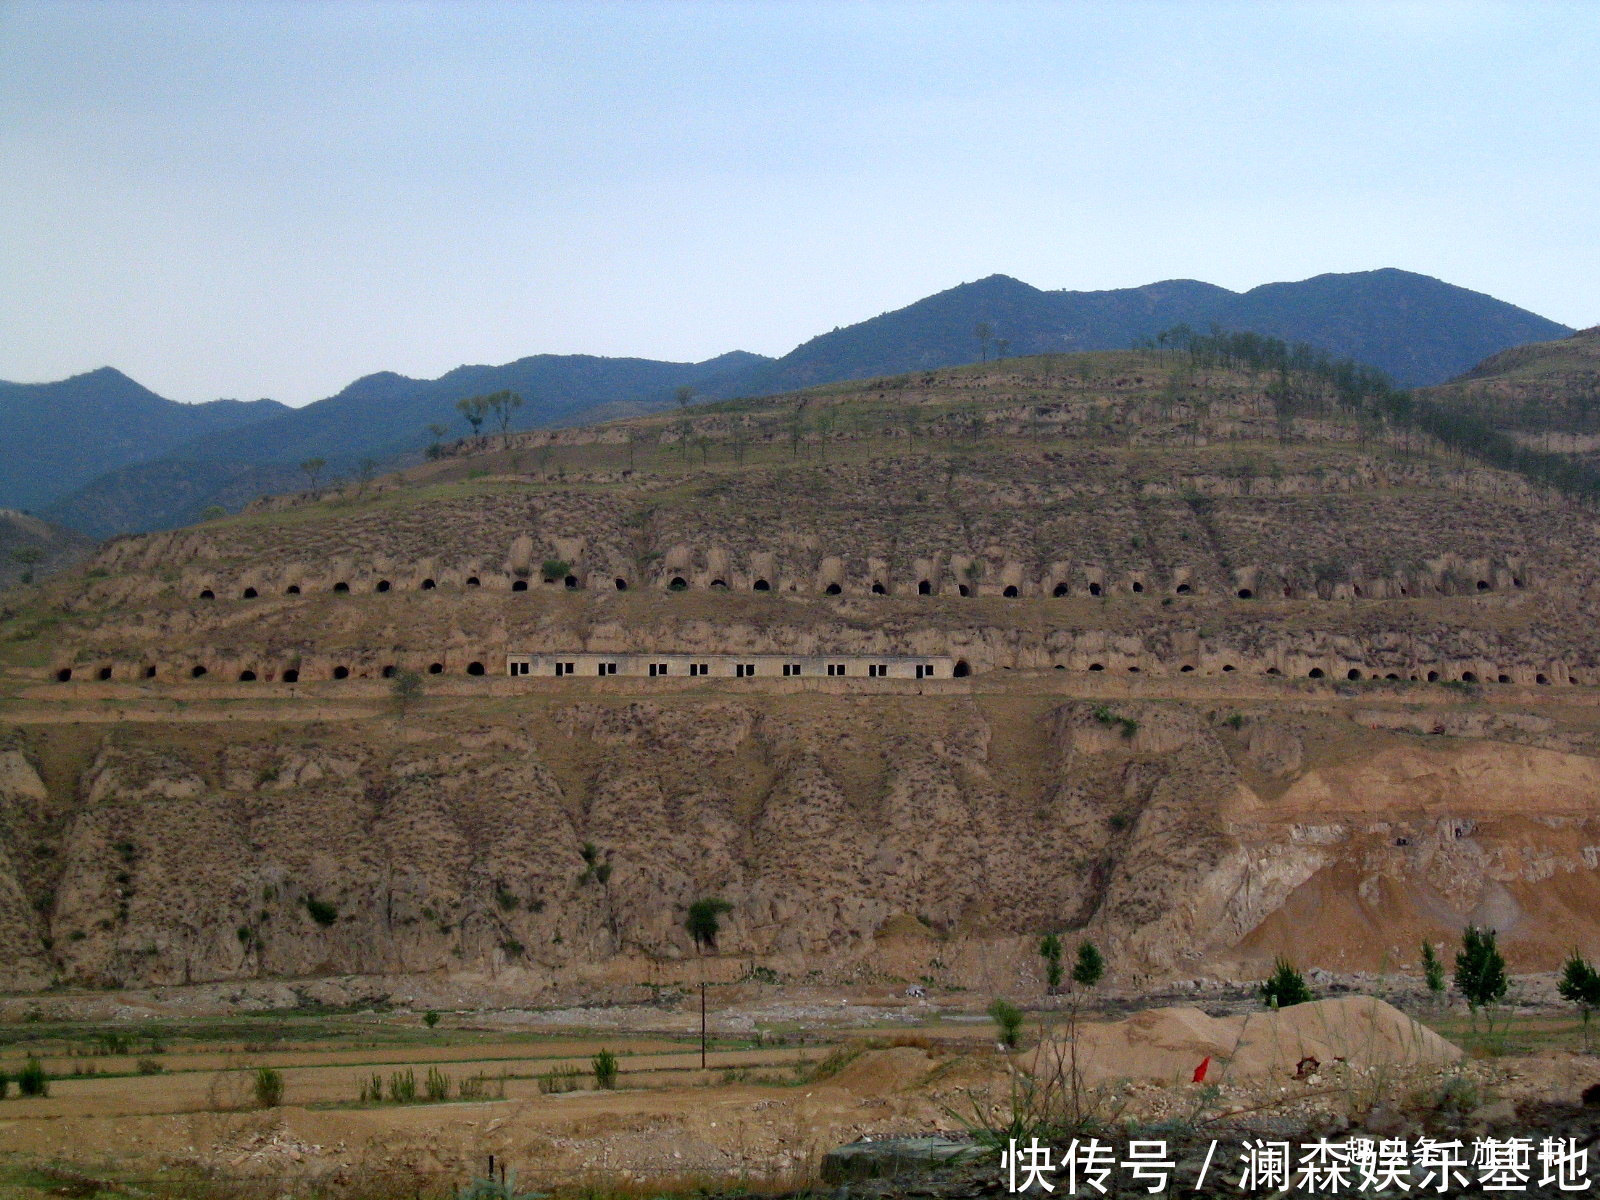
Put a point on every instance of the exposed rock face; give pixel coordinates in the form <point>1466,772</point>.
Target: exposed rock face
<point>574,835</point>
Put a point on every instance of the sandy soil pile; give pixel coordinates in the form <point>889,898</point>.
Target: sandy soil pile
<point>1168,1044</point>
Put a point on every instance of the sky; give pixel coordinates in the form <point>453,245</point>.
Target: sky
<point>275,198</point>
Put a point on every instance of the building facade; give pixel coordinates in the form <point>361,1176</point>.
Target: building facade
<point>561,665</point>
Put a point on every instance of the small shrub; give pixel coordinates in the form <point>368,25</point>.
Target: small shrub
<point>149,1066</point>
<point>436,1086</point>
<point>31,1080</point>
<point>703,921</point>
<point>430,1018</point>
<point>558,1080</point>
<point>605,1070</point>
<point>1008,1018</point>
<point>1480,969</point>
<point>5,1084</point>
<point>1050,951</point>
<point>554,568</point>
<point>1090,965</point>
<point>268,1087</point>
<point>1285,986</point>
<point>372,1090</point>
<point>1235,722</point>
<point>321,911</point>
<point>403,1087</point>
<point>1432,971</point>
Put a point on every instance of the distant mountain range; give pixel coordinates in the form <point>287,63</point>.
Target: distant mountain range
<point>103,455</point>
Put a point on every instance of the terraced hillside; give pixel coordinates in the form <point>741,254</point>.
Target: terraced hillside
<point>1239,668</point>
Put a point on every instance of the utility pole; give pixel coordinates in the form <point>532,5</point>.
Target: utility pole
<point>702,1024</point>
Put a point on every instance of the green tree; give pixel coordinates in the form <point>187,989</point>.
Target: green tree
<point>1432,971</point>
<point>1008,1017</point>
<point>28,557</point>
<point>1480,969</point>
<point>1285,986</point>
<point>1089,967</point>
<point>430,1018</point>
<point>474,409</point>
<point>1580,985</point>
<point>984,332</point>
<point>704,921</point>
<point>684,395</point>
<point>1050,951</point>
<point>313,469</point>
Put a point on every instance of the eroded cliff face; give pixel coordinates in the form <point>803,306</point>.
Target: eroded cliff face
<point>554,838</point>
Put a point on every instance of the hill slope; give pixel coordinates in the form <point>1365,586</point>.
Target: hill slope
<point>1545,396</point>
<point>1242,677</point>
<point>58,436</point>
<point>377,416</point>
<point>1416,329</point>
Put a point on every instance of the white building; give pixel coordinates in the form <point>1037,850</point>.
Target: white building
<point>736,666</point>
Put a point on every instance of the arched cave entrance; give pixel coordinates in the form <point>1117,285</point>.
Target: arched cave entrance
<point>622,584</point>
<point>1097,666</point>
<point>291,676</point>
<point>247,676</point>
<point>292,590</point>
<point>1314,673</point>
<point>677,584</point>
<point>1353,673</point>
<point>248,594</point>
<point>428,585</point>
<point>1183,589</point>
<point>341,586</point>
<point>208,594</point>
<point>571,582</point>
<point>879,590</point>
<point>962,669</point>
<point>381,586</point>
<point>925,587</point>
<point>519,585</point>
<point>963,589</point>
<point>64,675</point>
<point>1246,594</point>
<point>474,668</point>
<point>761,585</point>
<point>1094,589</point>
<point>435,668</point>
<point>833,589</point>
<point>103,674</point>
<point>341,672</point>
<point>388,671</point>
<point>1010,592</point>
<point>1137,586</point>
<point>150,672</point>
<point>197,671</point>
<point>720,585</point>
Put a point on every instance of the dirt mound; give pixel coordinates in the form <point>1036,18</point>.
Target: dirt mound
<point>880,1072</point>
<point>1168,1044</point>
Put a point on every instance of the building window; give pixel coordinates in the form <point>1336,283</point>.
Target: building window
<point>563,668</point>
<point>606,669</point>
<point>835,668</point>
<point>657,669</point>
<point>699,668</point>
<point>877,670</point>
<point>924,670</point>
<point>791,668</point>
<point>744,670</point>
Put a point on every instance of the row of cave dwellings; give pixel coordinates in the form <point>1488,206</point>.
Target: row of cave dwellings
<point>977,580</point>
<point>243,669</point>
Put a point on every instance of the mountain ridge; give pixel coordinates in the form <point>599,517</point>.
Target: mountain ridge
<point>1417,329</point>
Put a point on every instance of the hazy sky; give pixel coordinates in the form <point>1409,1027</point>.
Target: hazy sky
<point>271,199</point>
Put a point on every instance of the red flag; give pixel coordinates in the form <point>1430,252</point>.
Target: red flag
<point>1200,1071</point>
